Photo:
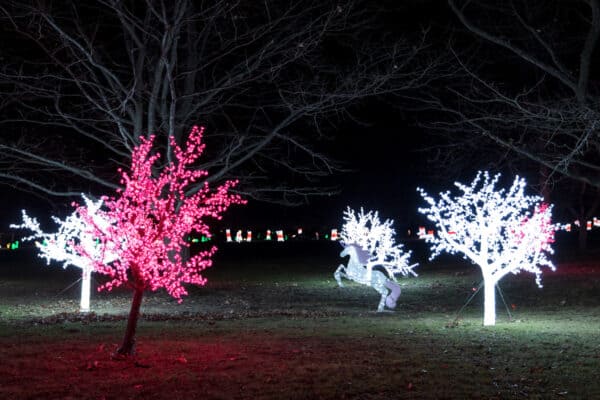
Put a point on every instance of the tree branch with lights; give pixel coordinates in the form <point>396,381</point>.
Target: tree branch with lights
<point>502,231</point>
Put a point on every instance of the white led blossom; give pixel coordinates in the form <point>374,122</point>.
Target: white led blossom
<point>377,239</point>
<point>375,258</point>
<point>61,245</point>
<point>502,231</point>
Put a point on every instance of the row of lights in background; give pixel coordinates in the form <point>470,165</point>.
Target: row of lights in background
<point>276,236</point>
<point>11,245</point>
<point>240,236</point>
<point>594,223</point>
<point>9,242</point>
<point>280,236</point>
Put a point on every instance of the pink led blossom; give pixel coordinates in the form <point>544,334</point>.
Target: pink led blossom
<point>153,214</point>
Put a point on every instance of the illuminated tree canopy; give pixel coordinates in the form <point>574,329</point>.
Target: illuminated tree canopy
<point>73,233</point>
<point>152,217</point>
<point>378,240</point>
<point>502,231</point>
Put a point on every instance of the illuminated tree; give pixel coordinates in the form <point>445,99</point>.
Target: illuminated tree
<point>61,245</point>
<point>501,231</point>
<point>378,240</point>
<point>152,217</point>
<point>370,245</point>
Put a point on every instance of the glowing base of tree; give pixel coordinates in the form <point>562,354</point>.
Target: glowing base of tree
<point>489,302</point>
<point>86,284</point>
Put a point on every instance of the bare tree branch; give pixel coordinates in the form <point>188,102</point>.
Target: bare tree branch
<point>540,102</point>
<point>261,77</point>
<point>525,95</point>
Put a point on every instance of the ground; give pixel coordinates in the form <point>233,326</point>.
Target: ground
<point>271,323</point>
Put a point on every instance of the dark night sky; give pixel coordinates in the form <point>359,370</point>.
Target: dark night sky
<point>383,155</point>
<point>386,170</point>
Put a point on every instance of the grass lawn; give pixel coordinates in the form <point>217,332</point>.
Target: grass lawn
<point>274,325</point>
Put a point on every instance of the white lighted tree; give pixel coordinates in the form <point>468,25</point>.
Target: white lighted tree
<point>378,240</point>
<point>371,244</point>
<point>502,231</point>
<point>61,245</point>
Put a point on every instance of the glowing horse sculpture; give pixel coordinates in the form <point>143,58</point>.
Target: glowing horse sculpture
<point>375,258</point>
<point>359,270</point>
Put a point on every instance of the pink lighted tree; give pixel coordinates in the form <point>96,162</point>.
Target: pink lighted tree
<point>502,231</point>
<point>153,214</point>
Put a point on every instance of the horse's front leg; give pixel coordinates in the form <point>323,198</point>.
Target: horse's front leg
<point>381,305</point>
<point>379,285</point>
<point>341,270</point>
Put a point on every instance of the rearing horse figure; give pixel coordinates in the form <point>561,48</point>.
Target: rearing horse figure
<point>360,270</point>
